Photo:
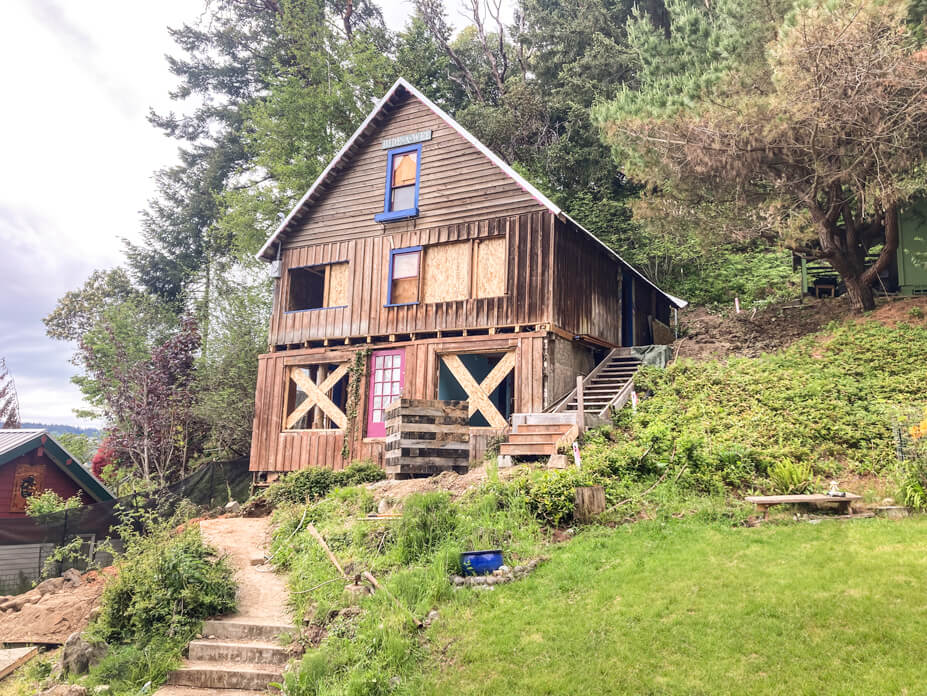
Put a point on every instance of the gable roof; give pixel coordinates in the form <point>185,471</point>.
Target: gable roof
<point>400,89</point>
<point>15,443</point>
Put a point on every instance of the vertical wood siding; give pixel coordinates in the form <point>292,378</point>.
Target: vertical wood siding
<point>587,286</point>
<point>275,450</point>
<point>529,247</point>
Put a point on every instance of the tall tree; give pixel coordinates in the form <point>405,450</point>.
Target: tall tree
<point>830,122</point>
<point>9,401</point>
<point>149,403</point>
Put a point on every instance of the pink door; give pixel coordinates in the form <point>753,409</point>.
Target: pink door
<point>387,368</point>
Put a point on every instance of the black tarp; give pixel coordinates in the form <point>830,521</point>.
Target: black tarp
<point>210,486</point>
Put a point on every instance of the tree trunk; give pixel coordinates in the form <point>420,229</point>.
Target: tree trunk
<point>860,293</point>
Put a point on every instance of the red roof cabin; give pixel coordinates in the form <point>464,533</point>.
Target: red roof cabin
<point>32,462</point>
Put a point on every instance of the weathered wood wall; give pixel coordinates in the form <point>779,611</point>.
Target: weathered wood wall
<point>272,449</point>
<point>528,284</point>
<point>587,286</point>
<point>458,183</point>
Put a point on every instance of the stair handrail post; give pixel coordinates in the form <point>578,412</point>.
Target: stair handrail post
<point>580,408</point>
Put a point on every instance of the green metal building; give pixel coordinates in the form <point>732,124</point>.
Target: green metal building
<point>907,276</point>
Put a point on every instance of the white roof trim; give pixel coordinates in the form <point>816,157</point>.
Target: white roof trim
<point>492,156</point>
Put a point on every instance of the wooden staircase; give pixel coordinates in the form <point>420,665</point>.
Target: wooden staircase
<point>608,386</point>
<point>539,434</point>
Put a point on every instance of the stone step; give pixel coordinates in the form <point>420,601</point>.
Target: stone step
<point>225,675</point>
<point>193,691</point>
<point>243,629</point>
<point>237,651</point>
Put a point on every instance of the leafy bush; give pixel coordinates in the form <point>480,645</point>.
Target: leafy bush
<point>428,519</point>
<point>48,502</point>
<point>166,585</point>
<point>913,484</point>
<point>315,483</point>
<point>791,478</point>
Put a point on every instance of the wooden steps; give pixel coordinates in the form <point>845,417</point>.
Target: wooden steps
<point>608,386</point>
<point>536,434</point>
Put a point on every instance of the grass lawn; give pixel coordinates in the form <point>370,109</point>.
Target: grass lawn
<point>697,608</point>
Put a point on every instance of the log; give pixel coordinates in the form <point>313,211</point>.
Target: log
<point>590,503</point>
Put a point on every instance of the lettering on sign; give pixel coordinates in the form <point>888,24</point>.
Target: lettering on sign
<point>409,139</point>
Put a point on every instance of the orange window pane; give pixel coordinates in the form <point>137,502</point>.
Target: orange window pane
<point>404,167</point>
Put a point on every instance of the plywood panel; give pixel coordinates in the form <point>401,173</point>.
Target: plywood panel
<point>447,272</point>
<point>338,285</point>
<point>490,267</point>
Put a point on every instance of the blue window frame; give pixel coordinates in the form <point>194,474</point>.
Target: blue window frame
<point>401,198</point>
<point>405,271</point>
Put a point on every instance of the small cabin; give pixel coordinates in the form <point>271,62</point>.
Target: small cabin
<point>31,461</point>
<point>420,265</point>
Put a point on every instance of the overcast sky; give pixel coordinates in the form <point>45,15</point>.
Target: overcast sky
<point>76,159</point>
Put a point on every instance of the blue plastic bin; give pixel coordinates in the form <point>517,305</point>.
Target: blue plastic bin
<point>480,562</point>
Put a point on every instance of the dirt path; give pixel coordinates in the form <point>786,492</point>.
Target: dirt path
<point>262,594</point>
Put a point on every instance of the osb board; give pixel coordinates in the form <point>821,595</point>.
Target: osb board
<point>338,280</point>
<point>447,272</point>
<point>490,267</point>
<point>14,658</point>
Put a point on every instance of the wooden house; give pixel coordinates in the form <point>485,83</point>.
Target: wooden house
<point>421,265</point>
<point>32,462</point>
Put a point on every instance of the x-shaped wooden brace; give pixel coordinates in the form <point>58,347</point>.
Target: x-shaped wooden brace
<point>479,393</point>
<point>316,396</point>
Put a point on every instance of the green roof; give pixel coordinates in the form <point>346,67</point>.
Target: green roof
<point>17,442</point>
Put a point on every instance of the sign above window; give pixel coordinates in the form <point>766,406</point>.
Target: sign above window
<point>409,139</point>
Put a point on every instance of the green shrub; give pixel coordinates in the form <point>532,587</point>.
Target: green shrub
<point>913,484</point>
<point>48,502</point>
<point>791,478</point>
<point>315,483</point>
<point>166,585</point>
<point>428,519</point>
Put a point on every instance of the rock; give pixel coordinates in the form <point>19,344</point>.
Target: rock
<point>65,690</point>
<point>94,614</point>
<point>15,604</point>
<point>888,501</point>
<point>558,461</point>
<point>431,617</point>
<point>79,655</point>
<point>50,585</point>
<point>72,577</point>
<point>233,507</point>
<point>504,461</point>
<point>458,580</point>
<point>383,507</point>
<point>101,689</point>
<point>357,590</point>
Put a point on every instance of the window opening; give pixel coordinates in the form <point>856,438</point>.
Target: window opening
<point>317,287</point>
<point>405,266</point>
<point>316,397</point>
<point>403,167</point>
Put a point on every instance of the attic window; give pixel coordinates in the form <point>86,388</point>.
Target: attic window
<point>317,287</point>
<point>403,167</point>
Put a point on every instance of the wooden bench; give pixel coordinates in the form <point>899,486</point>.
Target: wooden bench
<point>764,502</point>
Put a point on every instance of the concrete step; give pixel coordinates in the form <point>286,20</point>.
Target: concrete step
<point>244,629</point>
<point>248,652</point>
<point>526,449</point>
<point>225,675</point>
<point>520,419</point>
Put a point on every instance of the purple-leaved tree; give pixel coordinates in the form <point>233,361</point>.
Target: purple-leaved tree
<point>148,403</point>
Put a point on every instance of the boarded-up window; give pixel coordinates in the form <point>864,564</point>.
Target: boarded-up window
<point>318,287</point>
<point>447,272</point>
<point>404,276</point>
<point>490,267</point>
